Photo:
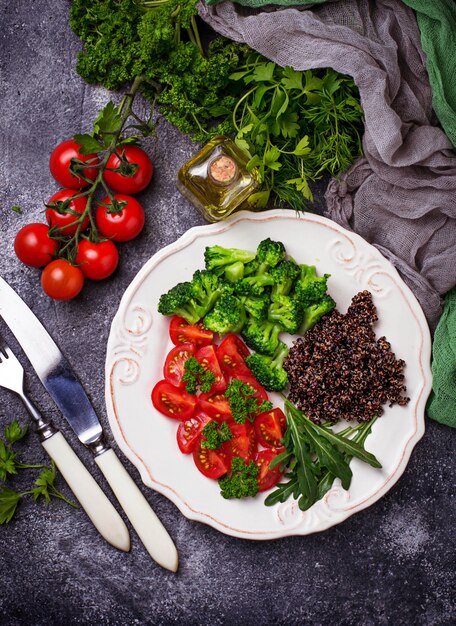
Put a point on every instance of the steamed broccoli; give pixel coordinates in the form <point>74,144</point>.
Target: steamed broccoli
<point>178,301</point>
<point>227,316</point>
<point>257,306</point>
<point>284,274</point>
<point>261,335</point>
<point>234,272</point>
<point>310,288</point>
<point>268,370</point>
<point>242,480</point>
<point>287,312</point>
<point>217,257</point>
<point>254,285</point>
<point>206,289</point>
<point>269,253</point>
<point>315,311</point>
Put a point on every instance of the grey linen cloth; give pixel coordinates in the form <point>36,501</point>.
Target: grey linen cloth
<point>401,195</point>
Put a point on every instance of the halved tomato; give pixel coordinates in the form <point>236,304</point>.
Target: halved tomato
<point>172,402</point>
<point>267,477</point>
<point>181,331</point>
<point>243,442</point>
<point>231,355</point>
<point>188,432</point>
<point>173,369</point>
<point>208,359</point>
<point>270,427</point>
<point>215,404</point>
<point>211,463</point>
<point>258,390</point>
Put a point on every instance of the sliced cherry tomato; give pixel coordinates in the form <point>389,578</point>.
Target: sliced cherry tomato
<point>62,215</point>
<point>231,355</point>
<point>136,176</point>
<point>243,442</point>
<point>97,261</point>
<point>123,225</point>
<point>267,477</point>
<point>270,427</point>
<point>61,281</point>
<point>33,246</point>
<point>216,405</point>
<point>188,432</point>
<point>173,402</point>
<point>181,331</point>
<point>259,391</point>
<point>208,359</point>
<point>211,463</point>
<point>60,161</point>
<point>173,370</point>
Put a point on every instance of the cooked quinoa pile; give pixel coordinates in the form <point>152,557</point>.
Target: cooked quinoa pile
<point>339,371</point>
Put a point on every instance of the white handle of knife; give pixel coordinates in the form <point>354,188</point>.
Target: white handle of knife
<point>151,531</point>
<point>104,516</point>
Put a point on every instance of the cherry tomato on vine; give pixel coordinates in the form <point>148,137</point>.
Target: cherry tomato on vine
<point>97,260</point>
<point>33,246</point>
<point>134,182</point>
<point>61,281</point>
<point>63,217</point>
<point>120,226</point>
<point>60,161</point>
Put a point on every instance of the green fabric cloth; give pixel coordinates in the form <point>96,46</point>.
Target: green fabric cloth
<point>442,401</point>
<point>437,23</point>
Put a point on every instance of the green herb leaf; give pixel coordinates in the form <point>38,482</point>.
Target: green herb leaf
<point>14,432</point>
<point>108,121</point>
<point>44,484</point>
<point>302,148</point>
<point>88,144</point>
<point>291,78</point>
<point>7,461</point>
<point>9,500</point>
<point>16,209</point>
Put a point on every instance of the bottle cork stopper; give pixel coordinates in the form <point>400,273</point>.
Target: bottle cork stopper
<point>223,169</point>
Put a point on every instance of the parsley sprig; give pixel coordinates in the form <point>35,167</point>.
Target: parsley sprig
<point>244,404</point>
<point>44,485</point>
<point>196,376</point>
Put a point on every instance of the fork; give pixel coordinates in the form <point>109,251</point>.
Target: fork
<point>92,499</point>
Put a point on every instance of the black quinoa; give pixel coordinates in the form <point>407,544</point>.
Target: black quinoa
<point>339,371</point>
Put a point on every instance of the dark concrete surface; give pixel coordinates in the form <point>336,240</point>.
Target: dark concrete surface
<point>391,564</point>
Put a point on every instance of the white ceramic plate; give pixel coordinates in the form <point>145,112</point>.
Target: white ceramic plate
<point>139,341</point>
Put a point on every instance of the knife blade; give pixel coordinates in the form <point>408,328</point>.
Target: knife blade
<point>59,379</point>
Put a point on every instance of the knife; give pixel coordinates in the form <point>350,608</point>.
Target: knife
<point>60,381</point>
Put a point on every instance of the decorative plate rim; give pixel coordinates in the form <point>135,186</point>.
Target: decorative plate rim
<point>146,474</point>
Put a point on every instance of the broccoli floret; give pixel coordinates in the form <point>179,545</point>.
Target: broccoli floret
<point>178,301</point>
<point>257,306</point>
<point>234,272</point>
<point>242,480</point>
<point>268,370</point>
<point>287,312</point>
<point>244,405</point>
<point>251,267</point>
<point>315,311</point>
<point>214,434</point>
<point>261,335</point>
<point>206,289</point>
<point>253,285</point>
<point>310,288</point>
<point>284,274</point>
<point>217,257</point>
<point>269,253</point>
<point>227,316</point>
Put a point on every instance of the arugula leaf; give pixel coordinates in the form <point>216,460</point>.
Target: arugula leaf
<point>9,500</point>
<point>14,432</point>
<point>304,467</point>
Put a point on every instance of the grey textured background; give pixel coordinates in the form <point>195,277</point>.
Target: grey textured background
<point>390,564</point>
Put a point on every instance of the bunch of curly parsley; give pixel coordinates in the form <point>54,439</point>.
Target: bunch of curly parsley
<point>159,40</point>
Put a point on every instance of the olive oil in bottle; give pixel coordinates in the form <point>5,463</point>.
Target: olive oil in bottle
<point>216,180</point>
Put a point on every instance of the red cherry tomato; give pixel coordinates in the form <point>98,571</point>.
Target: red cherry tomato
<point>61,217</point>
<point>97,260</point>
<point>258,390</point>
<point>138,178</point>
<point>267,477</point>
<point>173,369</point>
<point>33,246</point>
<point>61,281</point>
<point>173,402</point>
<point>231,355</point>
<point>60,161</point>
<point>211,463</point>
<point>243,443</point>
<point>216,405</point>
<point>208,359</point>
<point>181,331</point>
<point>270,427</point>
<point>189,432</point>
<point>123,225</point>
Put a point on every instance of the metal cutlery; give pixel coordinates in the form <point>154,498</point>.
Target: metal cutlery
<point>60,381</point>
<point>92,499</point>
